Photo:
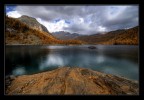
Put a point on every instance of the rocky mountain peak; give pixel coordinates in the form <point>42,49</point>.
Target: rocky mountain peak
<point>63,35</point>
<point>33,23</point>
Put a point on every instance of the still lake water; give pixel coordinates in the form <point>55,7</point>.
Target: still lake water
<point>114,59</point>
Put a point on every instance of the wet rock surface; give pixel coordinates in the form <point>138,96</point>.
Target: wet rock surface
<point>72,81</point>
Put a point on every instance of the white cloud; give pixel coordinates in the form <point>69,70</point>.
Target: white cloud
<point>53,26</point>
<point>83,19</point>
<point>14,14</point>
<point>101,29</point>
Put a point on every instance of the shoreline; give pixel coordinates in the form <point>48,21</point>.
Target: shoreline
<point>66,80</point>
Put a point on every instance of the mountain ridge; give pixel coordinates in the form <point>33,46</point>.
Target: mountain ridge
<point>33,23</point>
<point>63,35</point>
<point>123,36</point>
<point>27,30</point>
<point>19,33</point>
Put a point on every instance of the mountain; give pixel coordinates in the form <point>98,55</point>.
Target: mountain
<point>17,33</point>
<point>62,35</point>
<point>33,23</point>
<point>124,36</point>
<point>71,81</point>
<point>27,30</point>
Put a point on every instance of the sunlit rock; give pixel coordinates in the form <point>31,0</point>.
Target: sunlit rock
<point>73,81</point>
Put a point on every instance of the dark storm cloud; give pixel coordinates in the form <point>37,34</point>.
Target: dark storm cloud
<point>49,13</point>
<point>125,19</point>
<point>86,19</point>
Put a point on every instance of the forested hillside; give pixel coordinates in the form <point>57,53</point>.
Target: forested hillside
<point>126,37</point>
<point>17,33</point>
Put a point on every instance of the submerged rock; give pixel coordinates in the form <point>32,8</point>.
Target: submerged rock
<point>73,81</point>
<point>92,47</point>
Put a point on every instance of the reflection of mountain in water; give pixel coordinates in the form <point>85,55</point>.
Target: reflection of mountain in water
<point>108,59</point>
<point>27,58</point>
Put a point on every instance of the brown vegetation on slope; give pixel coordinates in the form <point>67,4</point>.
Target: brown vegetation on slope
<point>20,33</point>
<point>75,81</point>
<point>33,23</point>
<point>126,37</point>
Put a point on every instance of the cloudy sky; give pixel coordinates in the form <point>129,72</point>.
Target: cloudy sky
<point>82,19</point>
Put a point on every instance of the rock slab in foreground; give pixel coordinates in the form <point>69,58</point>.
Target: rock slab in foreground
<point>73,81</point>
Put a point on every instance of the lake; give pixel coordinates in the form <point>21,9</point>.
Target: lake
<point>113,59</point>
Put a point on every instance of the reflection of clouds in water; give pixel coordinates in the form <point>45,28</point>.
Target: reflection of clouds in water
<point>84,60</point>
<point>88,60</point>
<point>51,60</point>
<point>100,59</point>
<point>56,47</point>
<point>113,66</point>
<point>111,70</point>
<point>122,68</point>
<point>19,71</point>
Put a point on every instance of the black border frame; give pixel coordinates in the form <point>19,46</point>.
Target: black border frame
<point>77,2</point>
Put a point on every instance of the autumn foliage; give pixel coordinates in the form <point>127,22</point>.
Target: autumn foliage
<point>19,33</point>
<point>119,37</point>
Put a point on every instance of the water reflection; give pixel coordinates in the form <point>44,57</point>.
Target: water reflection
<point>100,59</point>
<point>19,71</point>
<point>51,60</point>
<point>121,60</point>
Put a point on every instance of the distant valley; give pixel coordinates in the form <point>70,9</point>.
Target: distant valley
<point>62,35</point>
<point>117,37</point>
